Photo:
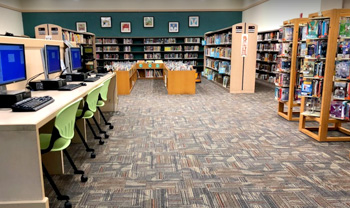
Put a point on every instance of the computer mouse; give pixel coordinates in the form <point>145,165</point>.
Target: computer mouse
<point>83,84</point>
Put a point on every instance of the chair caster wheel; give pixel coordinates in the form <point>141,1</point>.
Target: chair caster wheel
<point>93,155</point>
<point>98,137</point>
<point>83,179</point>
<point>67,204</point>
<point>106,136</point>
<point>111,127</point>
<point>101,142</point>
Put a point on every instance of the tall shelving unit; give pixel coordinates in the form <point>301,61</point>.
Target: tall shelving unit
<point>321,132</point>
<point>84,40</point>
<point>267,51</point>
<point>230,56</point>
<point>185,49</point>
<point>290,75</point>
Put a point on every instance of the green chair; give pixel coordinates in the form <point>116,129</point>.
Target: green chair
<point>101,103</point>
<point>59,140</point>
<point>88,111</point>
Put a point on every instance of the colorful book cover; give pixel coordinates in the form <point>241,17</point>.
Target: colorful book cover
<point>342,69</point>
<point>309,69</point>
<point>336,109</point>
<point>339,90</point>
<point>343,49</point>
<point>313,29</point>
<point>306,88</point>
<point>344,27</point>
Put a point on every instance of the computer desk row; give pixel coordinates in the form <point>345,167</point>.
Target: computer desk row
<point>21,178</point>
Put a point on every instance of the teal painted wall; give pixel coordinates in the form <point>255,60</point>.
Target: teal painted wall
<point>208,21</point>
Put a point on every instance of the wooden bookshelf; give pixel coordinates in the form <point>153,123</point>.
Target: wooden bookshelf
<point>176,82</point>
<point>85,40</point>
<point>227,61</point>
<point>186,49</point>
<point>325,123</point>
<point>267,51</point>
<point>292,105</point>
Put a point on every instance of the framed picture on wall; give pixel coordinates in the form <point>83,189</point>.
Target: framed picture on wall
<point>81,26</point>
<point>125,27</point>
<point>193,21</point>
<point>173,27</point>
<point>148,21</point>
<point>106,21</point>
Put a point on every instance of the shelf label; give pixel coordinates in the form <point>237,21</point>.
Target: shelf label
<point>244,45</point>
<point>239,29</point>
<point>157,65</point>
<point>251,29</point>
<point>149,65</point>
<point>140,65</point>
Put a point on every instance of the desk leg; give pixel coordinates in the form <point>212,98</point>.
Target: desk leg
<point>21,178</point>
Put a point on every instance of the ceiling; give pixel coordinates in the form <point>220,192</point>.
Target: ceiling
<point>128,5</point>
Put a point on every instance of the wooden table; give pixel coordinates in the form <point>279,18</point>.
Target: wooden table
<point>21,178</point>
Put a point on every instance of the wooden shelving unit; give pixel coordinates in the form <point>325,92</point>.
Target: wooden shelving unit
<point>326,124</point>
<point>230,56</point>
<point>176,82</point>
<point>267,51</point>
<point>186,49</point>
<point>85,40</point>
<point>291,113</point>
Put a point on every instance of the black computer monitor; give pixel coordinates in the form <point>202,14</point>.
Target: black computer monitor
<point>53,58</point>
<point>75,59</point>
<point>12,64</point>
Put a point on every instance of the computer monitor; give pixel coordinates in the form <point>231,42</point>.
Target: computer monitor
<point>75,59</point>
<point>12,64</point>
<point>51,59</point>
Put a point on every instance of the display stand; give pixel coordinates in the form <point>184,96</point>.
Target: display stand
<point>291,114</point>
<point>321,132</point>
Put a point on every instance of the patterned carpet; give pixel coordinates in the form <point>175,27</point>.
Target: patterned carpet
<point>211,149</point>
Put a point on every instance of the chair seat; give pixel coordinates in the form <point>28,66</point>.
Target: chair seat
<point>88,114</point>
<point>100,103</point>
<point>60,144</point>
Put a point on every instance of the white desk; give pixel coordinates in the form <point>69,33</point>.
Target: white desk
<point>21,178</point>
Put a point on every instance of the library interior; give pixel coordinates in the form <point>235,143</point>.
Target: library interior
<point>163,103</point>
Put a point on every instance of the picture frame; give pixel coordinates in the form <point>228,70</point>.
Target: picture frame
<point>193,21</point>
<point>174,27</point>
<point>106,22</point>
<point>125,27</point>
<point>81,26</point>
<point>148,21</point>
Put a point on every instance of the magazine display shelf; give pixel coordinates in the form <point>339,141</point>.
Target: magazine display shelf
<point>321,132</point>
<point>291,114</point>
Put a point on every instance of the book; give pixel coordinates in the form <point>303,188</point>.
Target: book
<point>288,33</point>
<point>313,29</point>
<point>344,27</point>
<point>309,69</point>
<point>342,69</point>
<point>306,88</point>
<point>343,49</point>
<point>311,49</point>
<point>339,90</point>
<point>337,108</point>
<point>322,49</point>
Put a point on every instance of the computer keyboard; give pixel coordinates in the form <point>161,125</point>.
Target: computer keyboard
<point>91,79</point>
<point>32,104</point>
<point>101,74</point>
<point>69,87</point>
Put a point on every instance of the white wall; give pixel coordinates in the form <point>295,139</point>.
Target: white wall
<point>331,4</point>
<point>271,14</point>
<point>134,5</point>
<point>11,21</point>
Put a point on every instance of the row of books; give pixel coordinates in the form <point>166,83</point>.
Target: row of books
<point>286,49</point>
<point>218,52</point>
<point>302,50</point>
<point>284,65</point>
<point>153,40</point>
<point>316,49</point>
<point>173,55</point>
<point>269,46</point>
<point>219,78</point>
<point>266,57</point>
<point>266,67</point>
<point>287,33</point>
<point>152,56</point>
<point>173,48</point>
<point>219,38</point>
<point>318,29</point>
<point>110,48</point>
<point>191,55</point>
<point>314,68</point>
<point>152,48</point>
<point>303,30</point>
<point>78,38</point>
<point>127,48</point>
<point>149,73</point>
<point>282,79</point>
<point>177,66</point>
<point>275,35</point>
<point>192,40</point>
<point>121,65</point>
<point>128,56</point>
<point>191,48</point>
<point>282,94</point>
<point>312,88</point>
<point>193,63</point>
<point>110,56</point>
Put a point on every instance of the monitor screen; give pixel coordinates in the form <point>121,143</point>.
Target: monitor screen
<point>53,58</point>
<point>12,63</point>
<point>76,58</point>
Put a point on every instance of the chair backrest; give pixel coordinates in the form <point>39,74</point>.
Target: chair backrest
<point>92,98</point>
<point>65,120</point>
<point>104,90</point>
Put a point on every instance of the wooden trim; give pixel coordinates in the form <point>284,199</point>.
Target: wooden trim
<point>254,5</point>
<point>10,7</point>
